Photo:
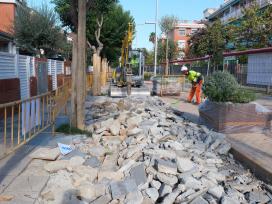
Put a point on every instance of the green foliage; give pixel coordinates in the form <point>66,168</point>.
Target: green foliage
<point>223,87</point>
<point>173,50</point>
<point>36,29</point>
<point>113,31</point>
<point>67,129</point>
<point>115,24</point>
<point>152,37</point>
<point>254,30</point>
<point>147,76</point>
<point>167,23</point>
<point>209,41</point>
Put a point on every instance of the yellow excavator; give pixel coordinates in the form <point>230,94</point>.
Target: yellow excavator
<point>122,75</point>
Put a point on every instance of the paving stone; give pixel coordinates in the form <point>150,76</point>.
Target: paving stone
<point>92,162</point>
<point>55,166</point>
<point>223,149</point>
<point>122,188</point>
<point>229,200</point>
<point>112,175</point>
<point>257,197</point>
<point>134,121</point>
<point>90,191</point>
<point>155,184</point>
<point>184,164</point>
<point>171,197</point>
<point>97,151</point>
<point>134,198</point>
<point>192,183</point>
<point>164,190</point>
<point>76,161</point>
<point>167,179</point>
<point>216,191</point>
<point>45,154</point>
<point>138,174</point>
<point>152,193</point>
<point>134,131</point>
<point>74,153</point>
<point>199,200</point>
<point>28,184</point>
<point>102,200</point>
<point>167,167</point>
<point>115,127</point>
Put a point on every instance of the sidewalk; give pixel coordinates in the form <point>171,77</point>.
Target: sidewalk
<point>253,150</point>
<point>22,177</point>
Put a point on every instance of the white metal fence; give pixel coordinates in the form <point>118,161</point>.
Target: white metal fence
<point>23,67</point>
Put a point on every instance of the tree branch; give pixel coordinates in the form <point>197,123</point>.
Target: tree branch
<point>98,34</point>
<point>91,46</point>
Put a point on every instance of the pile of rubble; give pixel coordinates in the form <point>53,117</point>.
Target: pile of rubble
<point>144,153</point>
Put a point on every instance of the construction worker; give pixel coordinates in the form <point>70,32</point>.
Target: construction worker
<point>197,80</point>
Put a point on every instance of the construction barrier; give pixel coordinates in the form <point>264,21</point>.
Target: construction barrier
<point>22,120</point>
<point>170,85</point>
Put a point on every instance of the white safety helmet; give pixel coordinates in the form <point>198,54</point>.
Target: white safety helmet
<point>184,68</point>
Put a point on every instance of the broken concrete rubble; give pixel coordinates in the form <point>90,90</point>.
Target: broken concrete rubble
<point>141,152</point>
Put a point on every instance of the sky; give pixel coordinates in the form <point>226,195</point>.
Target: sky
<point>144,10</point>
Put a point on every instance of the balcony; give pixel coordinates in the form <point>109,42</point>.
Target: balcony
<point>237,12</point>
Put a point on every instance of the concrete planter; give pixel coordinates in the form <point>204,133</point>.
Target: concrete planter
<point>234,118</point>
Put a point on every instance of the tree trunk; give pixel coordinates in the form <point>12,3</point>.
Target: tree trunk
<point>74,81</point>
<point>81,63</point>
<point>96,75</point>
<point>166,55</point>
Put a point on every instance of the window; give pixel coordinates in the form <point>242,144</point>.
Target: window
<point>181,44</point>
<point>194,30</point>
<point>188,32</point>
<point>182,32</point>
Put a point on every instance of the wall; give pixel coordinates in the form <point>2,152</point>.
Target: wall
<point>7,15</point>
<point>9,90</point>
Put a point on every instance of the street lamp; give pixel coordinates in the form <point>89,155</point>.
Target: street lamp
<point>156,39</point>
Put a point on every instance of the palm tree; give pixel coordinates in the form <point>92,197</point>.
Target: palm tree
<point>152,37</point>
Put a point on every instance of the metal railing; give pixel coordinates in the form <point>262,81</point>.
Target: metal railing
<point>21,120</point>
<point>168,85</point>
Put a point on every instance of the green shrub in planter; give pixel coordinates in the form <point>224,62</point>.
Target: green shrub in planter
<point>147,76</point>
<point>223,87</point>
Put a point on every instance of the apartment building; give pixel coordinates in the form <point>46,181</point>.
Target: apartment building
<point>7,18</point>
<point>231,10</point>
<point>182,34</point>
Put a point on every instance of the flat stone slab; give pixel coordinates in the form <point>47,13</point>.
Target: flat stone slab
<point>138,174</point>
<point>93,162</point>
<point>122,188</point>
<point>28,183</point>
<point>45,154</point>
<point>74,153</point>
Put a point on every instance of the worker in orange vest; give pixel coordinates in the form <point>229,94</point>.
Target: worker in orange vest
<point>197,80</point>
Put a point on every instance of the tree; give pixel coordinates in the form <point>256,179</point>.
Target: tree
<point>152,37</point>
<point>209,41</point>
<point>198,43</point>
<point>172,53</point>
<point>115,25</point>
<point>112,32</point>
<point>167,24</point>
<point>73,14</point>
<point>255,27</point>
<point>36,30</point>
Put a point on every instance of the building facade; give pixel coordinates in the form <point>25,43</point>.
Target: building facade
<point>181,34</point>
<point>7,18</point>
<point>231,10</point>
